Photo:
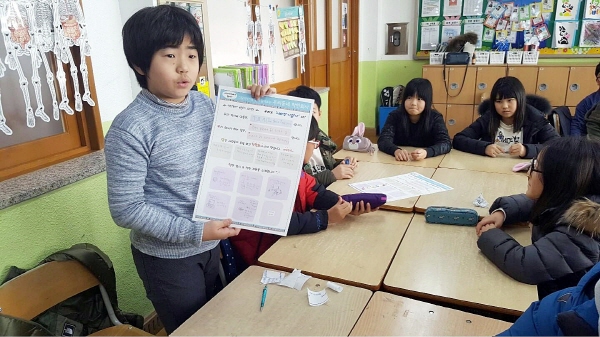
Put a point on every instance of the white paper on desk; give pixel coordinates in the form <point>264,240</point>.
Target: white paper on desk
<point>272,276</point>
<point>254,160</point>
<point>294,280</point>
<point>317,298</point>
<point>401,186</point>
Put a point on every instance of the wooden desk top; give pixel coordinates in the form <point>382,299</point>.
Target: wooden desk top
<point>467,187</point>
<point>392,315</point>
<point>357,251</point>
<point>370,171</point>
<point>443,262</point>
<point>467,161</point>
<point>384,158</point>
<point>235,310</point>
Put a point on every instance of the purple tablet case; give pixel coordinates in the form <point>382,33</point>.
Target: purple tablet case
<point>375,199</point>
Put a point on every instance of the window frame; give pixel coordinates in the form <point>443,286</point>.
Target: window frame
<point>83,135</point>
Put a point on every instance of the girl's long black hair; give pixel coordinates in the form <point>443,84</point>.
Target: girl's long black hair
<point>507,87</point>
<point>570,170</point>
<point>420,87</point>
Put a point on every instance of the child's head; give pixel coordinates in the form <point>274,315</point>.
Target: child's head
<point>417,97</point>
<point>164,47</point>
<point>508,104</point>
<point>303,91</point>
<point>312,142</point>
<point>597,73</point>
<point>566,169</point>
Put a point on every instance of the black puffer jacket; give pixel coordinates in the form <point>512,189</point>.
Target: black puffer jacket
<point>554,260</point>
<point>434,138</point>
<point>536,129</point>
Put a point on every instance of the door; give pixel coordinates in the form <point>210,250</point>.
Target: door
<point>333,60</point>
<point>435,75</point>
<point>486,77</point>
<point>461,84</point>
<point>458,117</point>
<point>527,75</point>
<point>582,82</point>
<point>550,87</point>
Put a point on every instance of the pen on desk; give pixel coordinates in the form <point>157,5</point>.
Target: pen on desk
<point>264,297</point>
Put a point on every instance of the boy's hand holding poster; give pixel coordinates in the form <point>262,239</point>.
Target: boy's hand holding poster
<point>254,160</point>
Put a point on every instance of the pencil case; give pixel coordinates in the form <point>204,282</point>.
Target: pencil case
<point>451,216</point>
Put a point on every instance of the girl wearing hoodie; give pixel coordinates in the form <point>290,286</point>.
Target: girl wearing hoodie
<point>562,203</point>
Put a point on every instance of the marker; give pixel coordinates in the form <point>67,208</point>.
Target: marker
<point>264,297</point>
<point>347,161</point>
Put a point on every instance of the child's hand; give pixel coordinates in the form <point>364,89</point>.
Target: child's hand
<point>486,228</point>
<point>353,162</point>
<point>517,149</point>
<point>402,155</point>
<point>360,208</point>
<point>496,219</point>
<point>493,150</point>
<point>343,171</point>
<point>257,91</point>
<point>219,230</point>
<point>418,154</point>
<point>339,211</point>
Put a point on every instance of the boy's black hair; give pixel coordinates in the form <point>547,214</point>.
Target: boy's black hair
<point>570,170</point>
<point>507,87</point>
<point>313,131</point>
<point>303,91</point>
<point>420,87</point>
<point>154,28</point>
<point>597,69</point>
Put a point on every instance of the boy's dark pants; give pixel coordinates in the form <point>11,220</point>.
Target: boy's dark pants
<point>178,287</point>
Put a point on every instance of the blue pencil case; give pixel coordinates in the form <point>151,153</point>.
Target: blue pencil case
<point>451,216</point>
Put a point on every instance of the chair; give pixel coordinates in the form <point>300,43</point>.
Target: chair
<point>52,283</point>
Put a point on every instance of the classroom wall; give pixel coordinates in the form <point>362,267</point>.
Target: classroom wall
<point>377,70</point>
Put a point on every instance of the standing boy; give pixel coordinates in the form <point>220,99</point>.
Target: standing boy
<point>155,152</point>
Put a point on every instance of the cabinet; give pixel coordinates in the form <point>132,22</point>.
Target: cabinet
<point>199,9</point>
<point>561,85</point>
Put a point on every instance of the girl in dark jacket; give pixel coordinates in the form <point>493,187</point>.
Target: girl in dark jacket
<point>415,124</point>
<point>509,125</point>
<point>562,203</point>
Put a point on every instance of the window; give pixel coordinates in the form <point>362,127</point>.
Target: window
<point>29,149</point>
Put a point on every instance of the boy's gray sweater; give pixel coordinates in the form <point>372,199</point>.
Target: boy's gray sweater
<point>155,153</point>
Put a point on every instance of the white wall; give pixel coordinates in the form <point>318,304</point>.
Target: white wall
<point>373,17</point>
<point>111,72</point>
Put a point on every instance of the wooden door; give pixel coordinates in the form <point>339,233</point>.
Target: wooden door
<point>527,75</point>
<point>458,117</point>
<point>485,79</point>
<point>435,75</point>
<point>460,85</point>
<point>333,60</point>
<point>582,82</point>
<point>342,116</point>
<point>552,85</point>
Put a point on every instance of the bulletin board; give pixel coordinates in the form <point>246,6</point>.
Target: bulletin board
<point>563,28</point>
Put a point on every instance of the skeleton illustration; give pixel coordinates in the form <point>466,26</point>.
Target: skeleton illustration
<point>18,42</point>
<point>41,24</point>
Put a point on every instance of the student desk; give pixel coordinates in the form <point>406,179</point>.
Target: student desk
<point>442,262</point>
<point>369,171</point>
<point>384,158</point>
<point>235,311</point>
<point>467,161</point>
<point>356,251</point>
<point>392,315</point>
<point>467,187</point>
